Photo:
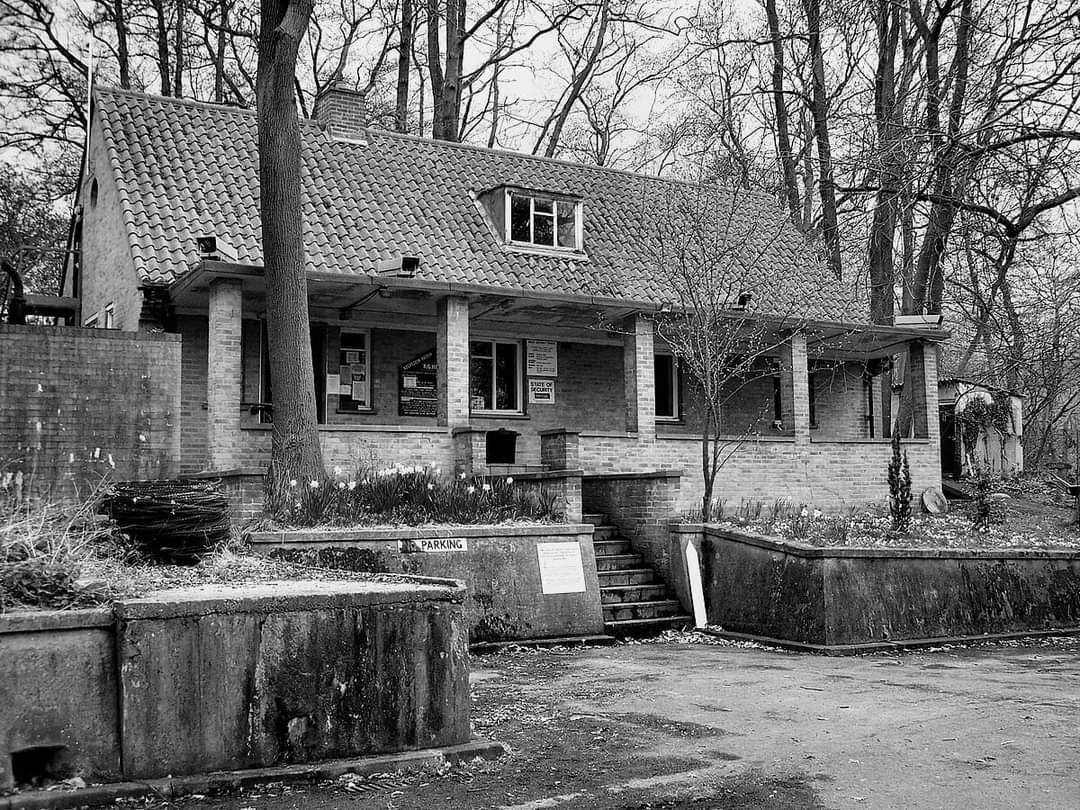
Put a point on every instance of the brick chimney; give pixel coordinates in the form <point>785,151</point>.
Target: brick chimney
<point>342,110</point>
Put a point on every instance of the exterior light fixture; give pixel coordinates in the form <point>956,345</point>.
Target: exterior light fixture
<point>400,266</point>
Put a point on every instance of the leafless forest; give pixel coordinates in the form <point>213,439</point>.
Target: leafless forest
<point>930,148</point>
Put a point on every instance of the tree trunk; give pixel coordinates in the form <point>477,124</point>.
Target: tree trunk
<point>296,453</point>
<point>178,79</point>
<point>219,57</point>
<point>783,136</point>
<point>162,47</point>
<point>405,46</point>
<point>883,226</point>
<point>435,68</point>
<point>122,57</point>
<point>819,108</point>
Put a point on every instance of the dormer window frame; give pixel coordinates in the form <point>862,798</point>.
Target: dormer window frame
<point>556,199</point>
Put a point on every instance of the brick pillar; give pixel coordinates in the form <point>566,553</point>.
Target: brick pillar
<point>452,355</point>
<point>560,449</point>
<point>924,381</point>
<point>639,372</point>
<point>224,375</point>
<point>795,388</point>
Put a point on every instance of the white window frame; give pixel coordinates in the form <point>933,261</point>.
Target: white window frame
<point>518,386</point>
<point>369,405</point>
<point>92,321</point>
<point>555,200</point>
<point>676,404</point>
<point>110,316</point>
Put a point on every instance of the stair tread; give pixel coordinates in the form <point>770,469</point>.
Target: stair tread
<point>642,622</point>
<point>629,587</point>
<point>629,571</point>
<point>646,603</point>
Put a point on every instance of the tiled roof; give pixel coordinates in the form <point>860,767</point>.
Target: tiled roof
<point>186,168</point>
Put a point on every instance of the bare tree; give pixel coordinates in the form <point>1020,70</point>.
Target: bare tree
<point>728,325</point>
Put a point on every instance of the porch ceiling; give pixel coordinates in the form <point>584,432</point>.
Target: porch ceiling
<point>412,302</point>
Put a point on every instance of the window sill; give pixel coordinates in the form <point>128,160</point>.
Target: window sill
<point>499,414</point>
<point>356,412</point>
<point>540,250</point>
<point>669,420</point>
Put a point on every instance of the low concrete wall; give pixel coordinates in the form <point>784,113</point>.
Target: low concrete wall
<point>499,564</point>
<point>58,683</point>
<point>842,596</point>
<point>229,678</point>
<point>211,678</point>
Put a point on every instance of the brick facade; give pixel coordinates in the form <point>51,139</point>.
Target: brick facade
<point>639,377</point>
<point>80,405</point>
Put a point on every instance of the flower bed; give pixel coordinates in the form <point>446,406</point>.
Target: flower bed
<point>410,496</point>
<point>1013,525</point>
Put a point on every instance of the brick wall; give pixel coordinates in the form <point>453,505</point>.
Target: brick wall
<point>77,405</point>
<point>827,474</point>
<point>642,506</point>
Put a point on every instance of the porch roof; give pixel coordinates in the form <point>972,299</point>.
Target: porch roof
<point>398,299</point>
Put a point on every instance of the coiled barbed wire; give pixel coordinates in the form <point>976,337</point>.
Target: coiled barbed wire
<point>171,520</point>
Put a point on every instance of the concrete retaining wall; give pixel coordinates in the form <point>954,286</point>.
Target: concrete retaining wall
<point>841,596</point>
<point>212,678</point>
<point>499,564</point>
<point>58,682</point>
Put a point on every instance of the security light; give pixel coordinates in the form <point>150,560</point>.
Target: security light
<point>400,266</point>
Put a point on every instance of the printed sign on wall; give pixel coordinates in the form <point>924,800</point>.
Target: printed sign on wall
<point>561,570</point>
<point>542,391</point>
<point>542,358</point>
<point>416,385</point>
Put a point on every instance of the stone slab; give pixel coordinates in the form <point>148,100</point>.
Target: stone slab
<point>285,596</point>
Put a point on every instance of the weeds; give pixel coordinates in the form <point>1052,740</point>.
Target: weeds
<point>42,551</point>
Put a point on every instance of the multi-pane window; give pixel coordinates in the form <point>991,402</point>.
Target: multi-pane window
<point>543,221</point>
<point>667,386</point>
<point>495,375</point>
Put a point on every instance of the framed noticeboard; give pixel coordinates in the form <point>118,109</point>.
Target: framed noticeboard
<point>541,358</point>
<point>417,380</point>
<point>353,378</point>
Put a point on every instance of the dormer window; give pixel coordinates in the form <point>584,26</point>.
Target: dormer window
<point>539,220</point>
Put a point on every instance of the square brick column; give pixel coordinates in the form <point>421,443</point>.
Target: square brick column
<point>639,377</point>
<point>795,388</point>
<point>922,357</point>
<point>560,449</point>
<point>224,373</point>
<point>452,355</point>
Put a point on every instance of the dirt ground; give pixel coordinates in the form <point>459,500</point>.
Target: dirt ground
<point>684,726</point>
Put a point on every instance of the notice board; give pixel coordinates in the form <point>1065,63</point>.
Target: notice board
<point>417,381</point>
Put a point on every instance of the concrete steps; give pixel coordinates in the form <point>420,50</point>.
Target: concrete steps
<point>635,600</point>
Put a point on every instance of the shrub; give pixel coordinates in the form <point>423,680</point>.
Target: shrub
<point>899,487</point>
<point>983,514</point>
<point>412,496</point>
